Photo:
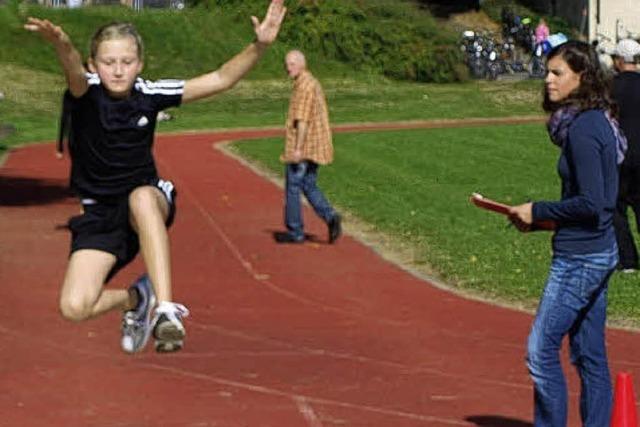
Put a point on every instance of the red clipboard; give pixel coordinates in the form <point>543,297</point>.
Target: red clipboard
<point>491,205</point>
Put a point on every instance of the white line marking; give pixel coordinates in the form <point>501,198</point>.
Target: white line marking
<point>316,400</point>
<point>307,412</point>
<point>261,277</point>
<point>402,368</point>
<point>236,384</point>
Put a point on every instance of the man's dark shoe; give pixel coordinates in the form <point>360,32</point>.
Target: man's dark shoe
<point>627,268</point>
<point>282,237</point>
<point>335,228</point>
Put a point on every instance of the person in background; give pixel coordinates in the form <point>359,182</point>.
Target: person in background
<point>574,301</point>
<point>308,145</point>
<point>626,92</point>
<point>542,31</point>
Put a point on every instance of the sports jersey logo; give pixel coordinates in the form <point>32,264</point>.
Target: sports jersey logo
<point>143,121</point>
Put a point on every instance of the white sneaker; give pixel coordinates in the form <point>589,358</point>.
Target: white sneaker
<point>136,323</point>
<point>168,329</point>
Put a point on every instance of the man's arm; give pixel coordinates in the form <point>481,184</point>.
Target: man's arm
<point>236,68</point>
<point>301,135</point>
<point>68,56</point>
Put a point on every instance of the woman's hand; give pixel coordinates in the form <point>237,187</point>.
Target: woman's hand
<point>522,216</point>
<point>267,30</point>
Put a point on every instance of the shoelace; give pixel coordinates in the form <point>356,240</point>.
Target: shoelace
<point>130,320</point>
<point>172,308</point>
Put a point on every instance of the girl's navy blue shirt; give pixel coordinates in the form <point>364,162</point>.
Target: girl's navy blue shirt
<point>589,173</point>
<point>111,139</point>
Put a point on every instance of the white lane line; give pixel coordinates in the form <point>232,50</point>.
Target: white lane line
<point>111,357</point>
<point>307,412</point>
<point>261,277</point>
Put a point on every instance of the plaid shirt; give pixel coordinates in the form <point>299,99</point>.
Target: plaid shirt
<point>309,105</point>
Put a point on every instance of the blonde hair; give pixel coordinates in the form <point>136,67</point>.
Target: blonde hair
<point>116,30</point>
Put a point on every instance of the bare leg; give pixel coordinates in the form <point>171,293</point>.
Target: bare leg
<point>83,296</point>
<point>148,212</point>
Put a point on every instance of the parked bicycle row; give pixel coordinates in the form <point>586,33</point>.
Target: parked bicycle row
<point>522,49</point>
<point>488,58</point>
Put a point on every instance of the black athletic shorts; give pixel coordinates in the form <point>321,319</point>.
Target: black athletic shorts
<point>104,225</point>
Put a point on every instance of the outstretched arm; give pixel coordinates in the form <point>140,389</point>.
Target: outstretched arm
<point>67,54</point>
<point>233,70</point>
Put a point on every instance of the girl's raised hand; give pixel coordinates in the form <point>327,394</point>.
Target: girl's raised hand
<point>50,32</point>
<point>267,30</point>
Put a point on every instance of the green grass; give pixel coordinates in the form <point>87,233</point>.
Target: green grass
<point>386,37</point>
<point>185,44</point>
<point>33,100</point>
<point>174,42</point>
<point>414,185</point>
<point>362,99</point>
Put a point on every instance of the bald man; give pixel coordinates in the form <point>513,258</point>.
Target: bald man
<point>308,145</point>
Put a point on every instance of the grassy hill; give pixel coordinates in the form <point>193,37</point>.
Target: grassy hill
<point>360,49</point>
<point>394,38</point>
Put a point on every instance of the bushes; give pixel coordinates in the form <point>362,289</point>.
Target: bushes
<point>390,37</point>
<point>493,8</point>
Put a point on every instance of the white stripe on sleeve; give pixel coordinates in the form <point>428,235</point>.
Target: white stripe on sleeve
<point>160,87</point>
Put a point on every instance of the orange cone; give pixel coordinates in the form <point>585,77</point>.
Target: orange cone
<point>624,403</point>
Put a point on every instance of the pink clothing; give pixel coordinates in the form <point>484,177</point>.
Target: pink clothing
<point>542,33</point>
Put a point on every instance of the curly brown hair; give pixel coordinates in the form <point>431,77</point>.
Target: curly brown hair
<point>594,91</point>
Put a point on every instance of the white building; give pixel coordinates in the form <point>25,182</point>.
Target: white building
<point>612,20</point>
<point>604,20</point>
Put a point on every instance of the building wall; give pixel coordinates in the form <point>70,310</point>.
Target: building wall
<point>569,10</point>
<point>617,19</point>
<point>575,12</point>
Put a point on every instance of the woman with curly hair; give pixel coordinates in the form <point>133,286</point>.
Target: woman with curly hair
<point>583,124</point>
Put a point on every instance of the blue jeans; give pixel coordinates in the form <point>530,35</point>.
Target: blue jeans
<point>574,302</point>
<point>302,177</point>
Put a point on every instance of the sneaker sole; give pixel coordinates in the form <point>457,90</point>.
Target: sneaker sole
<point>168,346</point>
<point>169,338</point>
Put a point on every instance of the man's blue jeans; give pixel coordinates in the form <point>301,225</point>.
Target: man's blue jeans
<point>574,302</point>
<point>301,177</point>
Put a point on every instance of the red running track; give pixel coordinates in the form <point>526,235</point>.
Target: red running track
<point>313,335</point>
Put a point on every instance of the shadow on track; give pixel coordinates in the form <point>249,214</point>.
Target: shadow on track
<point>497,421</point>
<point>280,237</point>
<point>23,191</point>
